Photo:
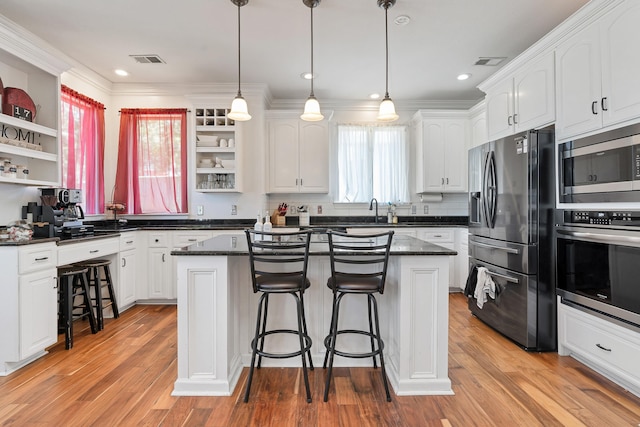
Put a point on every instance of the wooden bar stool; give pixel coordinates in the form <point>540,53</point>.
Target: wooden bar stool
<point>357,275</point>
<point>73,286</point>
<point>279,266</point>
<point>98,283</point>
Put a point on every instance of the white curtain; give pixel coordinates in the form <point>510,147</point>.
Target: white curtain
<point>372,162</point>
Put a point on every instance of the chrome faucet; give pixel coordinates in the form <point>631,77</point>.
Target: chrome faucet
<point>371,208</point>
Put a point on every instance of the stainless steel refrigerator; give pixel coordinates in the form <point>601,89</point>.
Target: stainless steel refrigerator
<point>511,232</point>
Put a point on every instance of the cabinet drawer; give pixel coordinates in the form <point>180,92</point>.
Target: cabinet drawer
<point>128,240</point>
<point>37,257</point>
<point>76,252</point>
<point>181,240</point>
<point>438,236</point>
<point>158,240</point>
<point>607,344</point>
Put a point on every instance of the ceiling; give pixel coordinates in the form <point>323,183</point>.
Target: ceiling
<point>198,41</point>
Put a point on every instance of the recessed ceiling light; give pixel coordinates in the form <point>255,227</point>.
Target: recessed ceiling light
<point>309,76</point>
<point>402,20</point>
<point>121,72</point>
<point>464,76</point>
<point>374,96</point>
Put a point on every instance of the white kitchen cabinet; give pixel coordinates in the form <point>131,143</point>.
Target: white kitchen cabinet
<point>33,145</point>
<point>605,346</point>
<point>217,164</point>
<point>597,83</point>
<point>441,141</point>
<point>38,312</point>
<point>160,280</point>
<point>28,303</point>
<point>298,156</point>
<point>128,270</point>
<point>524,101</point>
<point>479,133</point>
<point>462,259</point>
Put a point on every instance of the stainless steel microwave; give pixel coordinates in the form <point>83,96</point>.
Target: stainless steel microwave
<point>603,168</point>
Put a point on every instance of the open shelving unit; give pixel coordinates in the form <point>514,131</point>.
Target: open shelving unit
<point>217,166</point>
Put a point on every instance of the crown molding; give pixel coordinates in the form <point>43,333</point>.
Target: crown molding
<point>33,51</point>
<point>584,16</point>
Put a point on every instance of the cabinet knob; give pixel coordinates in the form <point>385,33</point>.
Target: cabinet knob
<point>603,104</point>
<point>515,119</point>
<point>509,120</point>
<point>594,105</point>
<point>157,240</point>
<point>124,262</point>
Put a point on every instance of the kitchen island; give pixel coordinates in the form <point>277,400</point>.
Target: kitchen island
<point>216,315</point>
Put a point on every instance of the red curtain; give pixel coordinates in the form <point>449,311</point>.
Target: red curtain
<point>152,161</point>
<point>83,139</point>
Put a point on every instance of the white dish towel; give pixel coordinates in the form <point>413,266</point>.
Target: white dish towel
<point>485,286</point>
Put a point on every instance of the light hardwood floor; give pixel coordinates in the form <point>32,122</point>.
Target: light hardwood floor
<point>123,376</point>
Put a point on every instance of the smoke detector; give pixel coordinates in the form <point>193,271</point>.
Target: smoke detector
<point>148,59</point>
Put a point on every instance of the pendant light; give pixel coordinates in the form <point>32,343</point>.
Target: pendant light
<point>387,112</point>
<point>239,110</point>
<point>312,106</point>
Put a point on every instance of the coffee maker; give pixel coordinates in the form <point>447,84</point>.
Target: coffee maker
<point>61,213</point>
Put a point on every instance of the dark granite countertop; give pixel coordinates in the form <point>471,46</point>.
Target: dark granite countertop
<point>292,221</point>
<point>236,244</point>
<point>104,229</point>
<point>28,242</point>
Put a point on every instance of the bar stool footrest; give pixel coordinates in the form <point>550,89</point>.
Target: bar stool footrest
<point>254,344</point>
<point>327,344</point>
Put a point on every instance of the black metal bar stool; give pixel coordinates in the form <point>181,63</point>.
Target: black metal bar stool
<point>101,300</point>
<point>73,294</point>
<point>279,266</point>
<point>364,274</point>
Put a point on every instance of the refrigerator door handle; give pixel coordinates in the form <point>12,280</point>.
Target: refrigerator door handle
<point>484,245</point>
<point>490,190</point>
<point>503,276</point>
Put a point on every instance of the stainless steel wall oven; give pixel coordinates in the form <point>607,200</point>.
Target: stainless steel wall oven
<point>598,264</point>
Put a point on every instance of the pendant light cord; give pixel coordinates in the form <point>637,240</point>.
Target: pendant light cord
<point>239,92</point>
<point>386,58</point>
<point>312,76</point>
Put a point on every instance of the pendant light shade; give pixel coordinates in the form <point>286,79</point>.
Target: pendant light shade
<point>312,106</point>
<point>387,112</point>
<point>239,110</point>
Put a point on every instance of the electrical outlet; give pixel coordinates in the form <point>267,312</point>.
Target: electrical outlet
<point>200,210</point>
<point>426,209</point>
<point>413,209</point>
<point>234,209</point>
<point>319,209</point>
<point>292,210</point>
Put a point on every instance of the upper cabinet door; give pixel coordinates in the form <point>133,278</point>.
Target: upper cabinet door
<point>455,161</point>
<point>578,84</point>
<point>534,95</point>
<point>314,157</point>
<point>620,36</point>
<point>500,110</point>
<point>283,156</point>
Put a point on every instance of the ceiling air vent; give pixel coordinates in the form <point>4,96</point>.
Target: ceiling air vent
<point>490,61</point>
<point>147,59</point>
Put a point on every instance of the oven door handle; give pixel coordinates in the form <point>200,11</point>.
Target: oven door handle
<point>484,245</point>
<point>609,238</point>
<point>503,276</point>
